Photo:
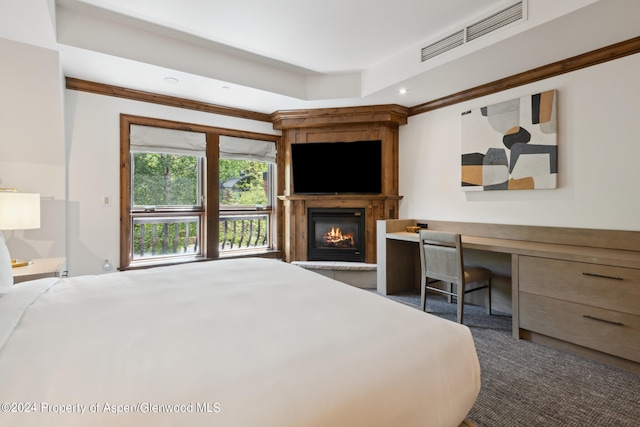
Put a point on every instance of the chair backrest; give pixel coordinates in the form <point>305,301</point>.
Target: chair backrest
<point>441,256</point>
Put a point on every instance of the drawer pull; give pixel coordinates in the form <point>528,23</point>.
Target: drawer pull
<point>603,276</point>
<point>602,320</point>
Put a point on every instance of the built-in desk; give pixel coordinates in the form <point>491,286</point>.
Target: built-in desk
<point>572,286</point>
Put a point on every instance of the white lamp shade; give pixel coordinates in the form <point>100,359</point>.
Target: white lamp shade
<point>19,211</point>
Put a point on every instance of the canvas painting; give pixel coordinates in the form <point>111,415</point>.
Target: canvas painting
<point>512,145</point>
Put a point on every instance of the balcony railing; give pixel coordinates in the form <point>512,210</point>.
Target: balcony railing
<point>244,231</point>
<point>162,236</point>
<point>172,236</point>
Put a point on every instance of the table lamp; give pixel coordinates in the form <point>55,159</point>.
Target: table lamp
<point>19,211</point>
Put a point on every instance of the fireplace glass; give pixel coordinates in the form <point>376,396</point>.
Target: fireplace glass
<point>336,234</point>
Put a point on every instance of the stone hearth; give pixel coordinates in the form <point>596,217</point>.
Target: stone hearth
<point>358,274</point>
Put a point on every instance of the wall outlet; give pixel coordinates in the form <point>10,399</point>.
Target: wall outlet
<point>106,200</point>
<point>106,265</point>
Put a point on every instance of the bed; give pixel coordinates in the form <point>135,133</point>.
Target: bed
<point>244,342</point>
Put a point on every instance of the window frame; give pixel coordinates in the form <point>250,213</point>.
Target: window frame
<point>211,210</point>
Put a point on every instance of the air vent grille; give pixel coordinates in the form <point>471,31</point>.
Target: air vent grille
<point>507,16</point>
<point>495,21</point>
<point>442,46</point>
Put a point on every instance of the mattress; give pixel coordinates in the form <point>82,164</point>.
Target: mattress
<point>244,342</point>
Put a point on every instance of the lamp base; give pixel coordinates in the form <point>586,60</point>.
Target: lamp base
<point>20,262</point>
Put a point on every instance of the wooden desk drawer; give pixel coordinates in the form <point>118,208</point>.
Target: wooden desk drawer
<point>604,330</point>
<point>614,288</point>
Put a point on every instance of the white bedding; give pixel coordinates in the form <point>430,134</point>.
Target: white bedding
<point>248,342</point>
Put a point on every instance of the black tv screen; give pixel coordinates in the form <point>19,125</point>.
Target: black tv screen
<point>337,167</point>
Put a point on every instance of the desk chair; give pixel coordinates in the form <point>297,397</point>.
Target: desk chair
<point>441,259</point>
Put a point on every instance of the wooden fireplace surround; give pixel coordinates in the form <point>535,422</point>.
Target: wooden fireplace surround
<point>349,124</point>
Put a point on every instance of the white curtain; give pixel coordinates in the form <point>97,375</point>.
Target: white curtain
<point>148,139</point>
<point>247,149</point>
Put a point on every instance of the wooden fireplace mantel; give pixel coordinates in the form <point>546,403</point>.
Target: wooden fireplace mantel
<point>348,124</point>
<point>296,216</point>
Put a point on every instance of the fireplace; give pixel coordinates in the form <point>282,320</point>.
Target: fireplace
<point>336,234</point>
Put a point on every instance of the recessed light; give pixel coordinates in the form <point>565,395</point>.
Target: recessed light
<point>171,80</point>
<point>403,91</point>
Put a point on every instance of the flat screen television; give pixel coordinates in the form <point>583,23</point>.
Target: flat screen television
<point>337,167</point>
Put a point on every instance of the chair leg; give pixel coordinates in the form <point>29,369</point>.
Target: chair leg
<point>460,296</point>
<point>449,289</point>
<point>423,293</point>
<point>488,297</point>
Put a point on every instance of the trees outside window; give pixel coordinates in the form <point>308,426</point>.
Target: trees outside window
<point>165,180</point>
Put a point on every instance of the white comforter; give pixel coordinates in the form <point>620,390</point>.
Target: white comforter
<point>249,342</point>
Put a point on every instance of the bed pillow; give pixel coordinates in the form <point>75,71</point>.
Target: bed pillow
<point>6,273</point>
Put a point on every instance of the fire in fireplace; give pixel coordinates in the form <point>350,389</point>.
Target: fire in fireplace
<point>336,234</point>
<point>336,239</point>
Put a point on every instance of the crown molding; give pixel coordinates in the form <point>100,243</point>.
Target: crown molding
<point>594,57</point>
<point>391,113</point>
<point>154,98</point>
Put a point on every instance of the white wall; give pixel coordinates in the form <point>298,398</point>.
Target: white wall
<point>93,149</point>
<point>598,159</point>
<point>32,143</point>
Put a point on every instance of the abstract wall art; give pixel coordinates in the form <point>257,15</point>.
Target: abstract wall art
<point>512,145</point>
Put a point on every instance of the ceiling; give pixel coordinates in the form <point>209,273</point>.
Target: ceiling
<point>295,54</point>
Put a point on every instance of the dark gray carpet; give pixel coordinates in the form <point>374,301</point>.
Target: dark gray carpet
<point>527,384</point>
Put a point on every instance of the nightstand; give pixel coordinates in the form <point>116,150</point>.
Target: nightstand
<point>40,268</point>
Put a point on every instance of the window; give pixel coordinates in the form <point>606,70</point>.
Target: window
<point>167,205</point>
<point>191,192</point>
<point>246,171</point>
<point>167,209</point>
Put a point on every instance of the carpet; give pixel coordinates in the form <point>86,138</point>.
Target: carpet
<point>528,384</point>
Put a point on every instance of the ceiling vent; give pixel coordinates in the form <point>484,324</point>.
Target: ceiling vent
<point>496,21</point>
<point>442,46</point>
<point>501,19</point>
